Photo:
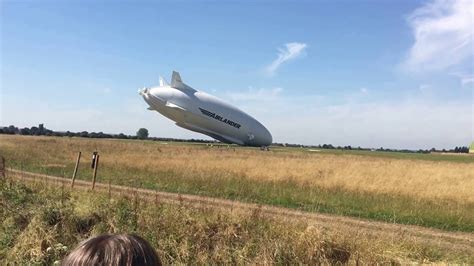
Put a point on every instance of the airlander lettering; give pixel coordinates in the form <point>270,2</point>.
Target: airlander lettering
<point>180,103</point>
<point>220,118</point>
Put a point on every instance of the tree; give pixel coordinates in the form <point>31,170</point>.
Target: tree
<point>34,131</point>
<point>84,134</point>
<point>12,130</point>
<point>41,129</point>
<point>121,136</point>
<point>25,131</point>
<point>142,133</point>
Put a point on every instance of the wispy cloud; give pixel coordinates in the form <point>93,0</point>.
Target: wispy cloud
<point>467,80</point>
<point>289,52</point>
<point>443,32</point>
<point>464,79</point>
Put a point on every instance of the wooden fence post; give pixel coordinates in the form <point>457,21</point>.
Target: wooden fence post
<point>2,167</point>
<point>75,169</point>
<point>96,165</point>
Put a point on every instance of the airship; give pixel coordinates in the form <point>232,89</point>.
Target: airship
<point>206,114</point>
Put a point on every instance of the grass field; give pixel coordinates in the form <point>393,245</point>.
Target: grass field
<point>422,189</point>
<point>41,224</point>
<point>447,157</point>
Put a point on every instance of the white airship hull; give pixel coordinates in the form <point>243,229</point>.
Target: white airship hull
<point>203,113</point>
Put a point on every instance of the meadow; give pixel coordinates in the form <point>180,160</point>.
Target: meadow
<point>421,189</point>
<point>42,224</point>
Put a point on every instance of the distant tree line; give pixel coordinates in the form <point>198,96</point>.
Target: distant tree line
<point>142,133</point>
<point>463,149</point>
<point>42,131</point>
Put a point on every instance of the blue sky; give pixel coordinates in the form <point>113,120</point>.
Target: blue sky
<point>396,74</point>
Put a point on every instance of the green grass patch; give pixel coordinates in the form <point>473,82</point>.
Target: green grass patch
<point>436,157</point>
<point>443,214</point>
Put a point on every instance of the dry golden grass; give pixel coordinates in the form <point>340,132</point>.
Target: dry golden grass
<point>53,222</point>
<point>424,179</point>
<point>415,178</point>
<point>188,235</point>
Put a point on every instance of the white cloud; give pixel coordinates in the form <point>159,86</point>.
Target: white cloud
<point>107,90</point>
<point>443,32</point>
<point>364,90</point>
<point>464,79</point>
<point>290,51</point>
<point>467,80</point>
<point>251,94</point>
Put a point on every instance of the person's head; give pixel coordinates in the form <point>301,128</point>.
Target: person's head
<point>114,250</point>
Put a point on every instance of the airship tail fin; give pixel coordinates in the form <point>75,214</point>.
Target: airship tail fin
<point>177,83</point>
<point>176,78</point>
<point>163,82</point>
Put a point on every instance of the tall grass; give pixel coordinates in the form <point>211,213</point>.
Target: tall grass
<point>41,225</point>
<point>429,193</point>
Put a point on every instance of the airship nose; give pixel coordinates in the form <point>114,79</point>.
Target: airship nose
<point>267,137</point>
<point>143,91</point>
<point>263,137</point>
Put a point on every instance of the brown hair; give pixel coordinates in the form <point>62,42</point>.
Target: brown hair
<point>126,250</point>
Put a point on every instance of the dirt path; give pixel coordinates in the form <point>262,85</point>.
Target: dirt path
<point>458,240</point>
